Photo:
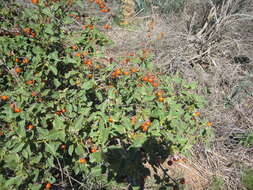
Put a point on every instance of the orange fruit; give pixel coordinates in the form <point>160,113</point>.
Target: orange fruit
<point>29,82</point>
<point>63,146</point>
<point>155,84</point>
<point>30,127</point>
<point>92,150</point>
<point>145,79</point>
<point>4,98</point>
<point>161,99</point>
<point>209,124</point>
<point>118,72</point>
<point>58,113</point>
<point>196,114</point>
<point>105,10</point>
<point>126,60</point>
<point>150,80</point>
<point>48,186</point>
<point>74,47</point>
<point>159,93</point>
<point>144,128</point>
<point>17,60</point>
<point>102,6</point>
<point>134,70</point>
<point>78,54</point>
<point>33,34</point>
<point>27,30</point>
<point>35,1</point>
<point>34,93</point>
<point>18,70</point>
<point>182,181</point>
<point>110,120</point>
<point>17,110</point>
<point>88,62</point>
<point>133,120</point>
<point>126,73</point>
<point>25,60</point>
<point>89,76</point>
<point>107,26</point>
<point>82,160</point>
<point>63,110</point>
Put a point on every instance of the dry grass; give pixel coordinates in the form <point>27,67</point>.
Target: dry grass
<point>204,44</point>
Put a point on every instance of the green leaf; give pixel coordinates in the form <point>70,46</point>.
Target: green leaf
<point>79,150</point>
<point>71,149</point>
<point>58,123</point>
<point>87,85</point>
<point>53,69</point>
<point>78,123</point>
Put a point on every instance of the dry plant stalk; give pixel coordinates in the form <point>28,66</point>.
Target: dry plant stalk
<point>128,10</point>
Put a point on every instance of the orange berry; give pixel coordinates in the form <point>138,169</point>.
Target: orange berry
<point>30,127</point>
<point>27,30</point>
<point>150,80</point>
<point>209,124</point>
<point>85,53</point>
<point>4,98</point>
<point>126,73</point>
<point>74,47</point>
<point>48,186</point>
<point>89,76</point>
<point>29,82</point>
<point>17,60</point>
<point>63,110</point>
<point>126,60</point>
<point>58,113</point>
<point>159,93</point>
<point>34,93</point>
<point>133,120</point>
<point>155,84</point>
<point>88,62</point>
<point>110,120</point>
<point>148,123</point>
<point>17,110</point>
<point>18,70</point>
<point>33,34</point>
<point>25,60</point>
<point>144,128</point>
<point>182,181</point>
<point>134,70</point>
<point>102,6</point>
<point>63,146</point>
<point>92,150</point>
<point>82,160</point>
<point>107,26</point>
<point>105,10</point>
<point>118,72</point>
<point>78,54</point>
<point>145,79</point>
<point>161,99</point>
<point>91,27</point>
<point>35,1</point>
<point>196,114</point>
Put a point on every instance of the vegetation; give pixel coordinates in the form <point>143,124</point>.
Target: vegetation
<point>70,116</point>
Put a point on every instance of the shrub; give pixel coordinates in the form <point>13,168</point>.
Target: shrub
<point>67,112</point>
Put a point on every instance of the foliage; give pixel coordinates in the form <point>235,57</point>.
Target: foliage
<point>247,178</point>
<point>217,184</point>
<point>67,112</point>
